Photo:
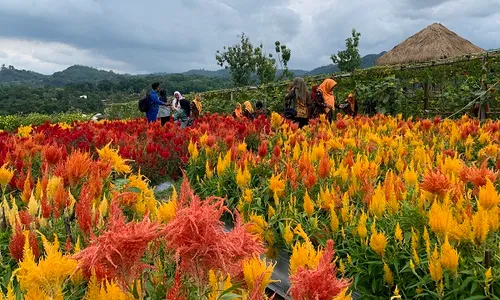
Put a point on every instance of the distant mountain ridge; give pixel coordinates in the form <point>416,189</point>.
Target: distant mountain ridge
<point>85,74</point>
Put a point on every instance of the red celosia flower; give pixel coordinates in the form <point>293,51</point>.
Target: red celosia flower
<point>175,292</point>
<point>61,200</point>
<point>25,218</point>
<point>341,124</point>
<point>277,152</point>
<point>262,150</point>
<point>46,208</point>
<point>200,241</point>
<point>435,182</point>
<point>17,241</point>
<point>426,125</point>
<point>321,283</point>
<point>310,180</point>
<point>117,253</point>
<point>52,154</point>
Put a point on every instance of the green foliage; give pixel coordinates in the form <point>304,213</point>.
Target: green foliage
<point>284,54</point>
<point>265,65</point>
<point>12,122</point>
<point>349,59</point>
<point>239,59</point>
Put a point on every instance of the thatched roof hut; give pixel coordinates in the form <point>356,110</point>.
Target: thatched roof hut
<point>432,43</point>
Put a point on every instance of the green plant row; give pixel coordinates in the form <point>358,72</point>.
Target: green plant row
<point>12,122</point>
<point>394,90</point>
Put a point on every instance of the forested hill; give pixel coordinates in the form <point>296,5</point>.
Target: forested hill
<point>84,74</point>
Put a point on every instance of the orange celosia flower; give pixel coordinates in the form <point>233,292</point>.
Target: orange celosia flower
<point>320,283</point>
<point>77,167</point>
<point>116,254</point>
<point>478,175</point>
<point>200,240</point>
<point>324,167</point>
<point>436,182</point>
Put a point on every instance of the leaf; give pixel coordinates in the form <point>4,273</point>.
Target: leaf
<point>474,287</point>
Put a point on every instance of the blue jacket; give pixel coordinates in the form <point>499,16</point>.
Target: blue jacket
<point>154,102</point>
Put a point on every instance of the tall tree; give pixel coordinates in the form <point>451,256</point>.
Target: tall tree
<point>239,59</point>
<point>284,54</point>
<point>349,59</point>
<point>265,65</point>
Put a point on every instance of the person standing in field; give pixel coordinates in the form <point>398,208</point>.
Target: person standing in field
<point>326,91</point>
<point>248,110</point>
<point>196,107</point>
<point>183,113</point>
<point>297,102</point>
<point>176,103</point>
<point>154,103</point>
<point>164,111</point>
<point>260,110</point>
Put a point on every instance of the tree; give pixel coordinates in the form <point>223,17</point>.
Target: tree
<point>349,59</point>
<point>244,60</point>
<point>239,59</point>
<point>284,54</point>
<point>265,65</point>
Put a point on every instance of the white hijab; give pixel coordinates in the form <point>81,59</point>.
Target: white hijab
<point>176,103</point>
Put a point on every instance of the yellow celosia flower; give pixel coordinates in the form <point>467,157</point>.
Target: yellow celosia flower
<point>256,270</point>
<point>410,177</point>
<point>300,232</point>
<point>258,224</point>
<point>427,240</point>
<point>33,206</point>
<point>441,219</point>
<point>111,156</point>
<point>288,235</point>
<point>304,256</point>
<point>24,131</point>
<point>270,212</point>
<point>166,211</point>
<point>193,150</point>
<point>412,265</point>
<point>242,147</point>
<point>218,285</point>
<point>52,185</point>
<point>449,257</point>
<point>276,120</point>
<point>243,177</point>
<point>5,177</point>
<point>361,229</point>
<point>248,197</point>
<point>480,226</point>
<point>105,290</point>
<point>435,269</point>
<point>378,241</point>
<point>209,173</point>
<point>48,276</point>
<point>398,233</point>
<point>334,220</point>
<point>308,205</point>
<point>388,275</point>
<point>488,196</point>
<point>343,295</point>
<point>277,185</point>
<point>488,276</point>
<point>378,203</point>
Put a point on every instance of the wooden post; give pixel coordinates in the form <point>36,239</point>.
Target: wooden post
<point>425,85</point>
<point>231,97</point>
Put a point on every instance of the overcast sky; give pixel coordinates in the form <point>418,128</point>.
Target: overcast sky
<point>177,35</point>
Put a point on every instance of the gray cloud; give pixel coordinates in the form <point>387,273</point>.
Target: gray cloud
<point>178,35</point>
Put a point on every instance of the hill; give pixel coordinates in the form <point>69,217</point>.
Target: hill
<point>367,61</point>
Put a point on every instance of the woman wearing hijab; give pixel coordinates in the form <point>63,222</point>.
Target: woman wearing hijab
<point>176,102</point>
<point>298,102</point>
<point>326,91</point>
<point>196,107</point>
<point>248,111</point>
<point>164,110</point>
<point>183,113</point>
<point>350,106</point>
<point>238,112</point>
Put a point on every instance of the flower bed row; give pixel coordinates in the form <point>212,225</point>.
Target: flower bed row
<point>411,205</point>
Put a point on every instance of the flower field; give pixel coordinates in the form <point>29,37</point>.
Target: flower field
<point>386,207</point>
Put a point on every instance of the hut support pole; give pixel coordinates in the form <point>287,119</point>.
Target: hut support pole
<point>425,85</point>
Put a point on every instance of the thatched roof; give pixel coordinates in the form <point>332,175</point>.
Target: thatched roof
<point>432,43</point>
